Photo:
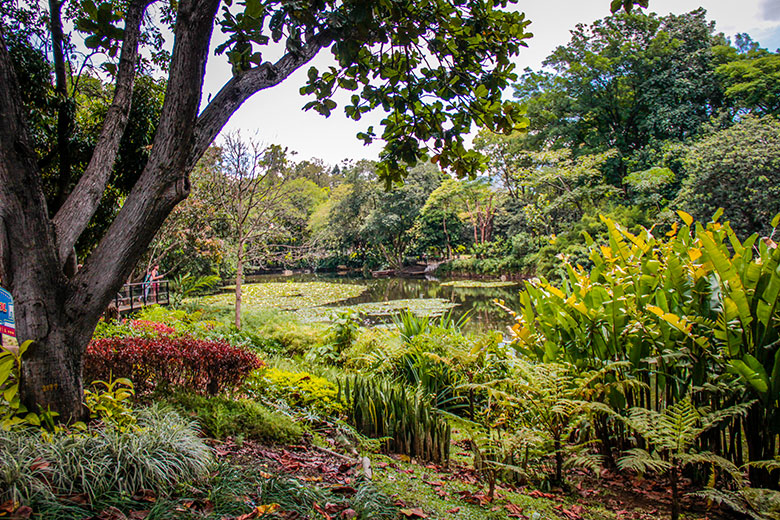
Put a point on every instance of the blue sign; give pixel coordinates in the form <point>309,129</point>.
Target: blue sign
<point>7,313</point>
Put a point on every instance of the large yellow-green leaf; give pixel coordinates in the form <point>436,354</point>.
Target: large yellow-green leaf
<point>752,372</point>
<point>727,274</point>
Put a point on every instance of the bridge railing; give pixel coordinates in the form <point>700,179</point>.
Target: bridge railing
<point>134,296</point>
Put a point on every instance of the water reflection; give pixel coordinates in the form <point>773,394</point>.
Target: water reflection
<point>485,315</point>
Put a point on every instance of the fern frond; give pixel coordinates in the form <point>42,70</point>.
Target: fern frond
<point>642,461</point>
<point>769,465</point>
<point>707,457</point>
<point>714,419</point>
<point>589,461</point>
<point>732,499</point>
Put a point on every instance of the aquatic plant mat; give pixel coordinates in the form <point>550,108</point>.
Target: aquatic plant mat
<point>288,296</point>
<point>422,307</point>
<point>476,284</point>
<point>317,301</point>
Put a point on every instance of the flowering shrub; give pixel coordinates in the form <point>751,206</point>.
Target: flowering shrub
<point>152,327</point>
<point>183,361</point>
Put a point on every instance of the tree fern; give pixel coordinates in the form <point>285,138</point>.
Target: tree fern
<point>672,435</point>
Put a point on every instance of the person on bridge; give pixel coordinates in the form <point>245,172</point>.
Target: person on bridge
<point>150,281</point>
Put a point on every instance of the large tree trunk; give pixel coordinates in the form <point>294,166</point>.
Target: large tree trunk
<point>59,312</point>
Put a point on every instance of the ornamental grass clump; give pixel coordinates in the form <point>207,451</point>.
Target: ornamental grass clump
<point>407,421</point>
<point>162,452</point>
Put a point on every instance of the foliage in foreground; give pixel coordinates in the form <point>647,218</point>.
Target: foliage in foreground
<point>693,313</point>
<point>163,451</point>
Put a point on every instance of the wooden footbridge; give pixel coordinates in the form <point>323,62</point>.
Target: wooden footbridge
<point>135,296</point>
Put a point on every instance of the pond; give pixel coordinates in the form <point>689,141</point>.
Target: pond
<point>385,296</point>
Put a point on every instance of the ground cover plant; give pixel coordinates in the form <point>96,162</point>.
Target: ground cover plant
<point>468,284</point>
<point>384,309</point>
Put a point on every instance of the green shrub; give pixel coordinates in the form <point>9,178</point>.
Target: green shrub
<point>162,452</point>
<point>221,417</point>
<point>297,389</point>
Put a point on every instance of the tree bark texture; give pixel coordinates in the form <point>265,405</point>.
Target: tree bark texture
<point>58,311</point>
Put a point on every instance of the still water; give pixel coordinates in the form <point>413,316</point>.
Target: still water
<point>484,314</point>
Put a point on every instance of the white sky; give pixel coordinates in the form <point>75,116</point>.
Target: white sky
<point>276,116</point>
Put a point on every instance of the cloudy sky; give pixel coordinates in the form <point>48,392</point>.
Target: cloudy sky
<point>275,115</point>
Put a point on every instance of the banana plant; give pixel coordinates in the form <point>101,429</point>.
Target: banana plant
<point>693,311</point>
<point>747,330</point>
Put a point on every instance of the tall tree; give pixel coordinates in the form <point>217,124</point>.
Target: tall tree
<point>435,67</point>
<point>393,213</point>
<point>625,82</point>
<point>737,169</point>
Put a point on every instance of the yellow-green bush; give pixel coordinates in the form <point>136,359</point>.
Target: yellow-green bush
<point>297,389</point>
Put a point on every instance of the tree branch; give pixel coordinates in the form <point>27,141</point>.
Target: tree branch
<point>165,180</point>
<point>63,113</point>
<point>243,86</point>
<point>81,204</point>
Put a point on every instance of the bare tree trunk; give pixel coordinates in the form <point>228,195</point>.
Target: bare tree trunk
<point>239,278</point>
<point>675,497</point>
<point>447,237</point>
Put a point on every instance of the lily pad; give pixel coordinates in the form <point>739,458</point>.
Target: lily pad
<point>420,306</point>
<point>476,284</point>
<point>289,296</point>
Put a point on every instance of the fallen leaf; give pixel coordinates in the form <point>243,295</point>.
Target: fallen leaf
<point>39,464</point>
<point>23,512</point>
<point>321,511</point>
<point>267,509</point>
<point>414,512</point>
<point>348,514</point>
<point>453,510</point>
<point>538,494</point>
<point>514,511</point>
<point>139,515</point>
<point>145,495</point>
<point>343,490</point>
<point>81,498</point>
<point>112,513</point>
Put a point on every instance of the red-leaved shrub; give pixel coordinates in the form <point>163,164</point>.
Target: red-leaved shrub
<point>184,362</point>
<point>152,327</point>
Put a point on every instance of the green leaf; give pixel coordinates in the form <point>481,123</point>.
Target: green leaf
<point>686,217</point>
<point>254,9</point>
<point>747,370</point>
